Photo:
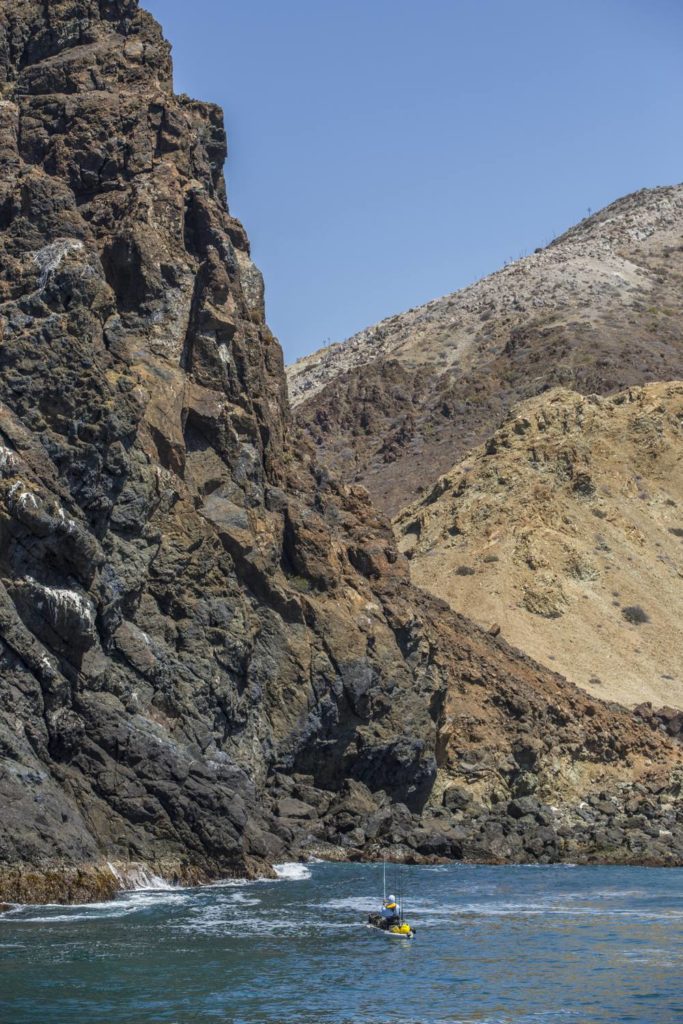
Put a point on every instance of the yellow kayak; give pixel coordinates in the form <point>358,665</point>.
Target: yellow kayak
<point>395,931</point>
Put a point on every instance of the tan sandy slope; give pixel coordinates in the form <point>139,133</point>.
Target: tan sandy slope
<point>569,516</point>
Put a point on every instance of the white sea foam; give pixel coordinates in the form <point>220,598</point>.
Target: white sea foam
<point>71,918</point>
<point>363,904</point>
<point>293,872</point>
<point>605,894</point>
<point>150,897</point>
<point>126,904</point>
<point>245,901</point>
<point>139,879</point>
<point>289,872</point>
<point>232,921</point>
<point>544,1017</point>
<point>230,883</point>
<point>559,909</point>
<point>244,921</point>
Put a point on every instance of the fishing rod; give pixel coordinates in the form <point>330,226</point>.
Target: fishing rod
<point>399,886</point>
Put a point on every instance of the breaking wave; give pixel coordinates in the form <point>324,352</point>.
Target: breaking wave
<point>293,872</point>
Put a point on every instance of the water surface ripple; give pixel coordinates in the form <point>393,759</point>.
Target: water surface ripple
<point>508,945</point>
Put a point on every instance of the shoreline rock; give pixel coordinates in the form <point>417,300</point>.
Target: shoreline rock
<point>26,885</point>
<point>102,882</point>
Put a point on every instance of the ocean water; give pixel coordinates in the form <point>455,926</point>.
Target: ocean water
<point>529,945</point>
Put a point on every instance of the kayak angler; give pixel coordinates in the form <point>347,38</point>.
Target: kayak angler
<point>390,912</point>
<point>390,920</point>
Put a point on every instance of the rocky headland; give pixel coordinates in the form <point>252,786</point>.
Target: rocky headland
<point>211,654</point>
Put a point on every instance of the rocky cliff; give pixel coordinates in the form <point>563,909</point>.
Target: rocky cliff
<point>566,529</point>
<point>596,311</point>
<point>210,653</point>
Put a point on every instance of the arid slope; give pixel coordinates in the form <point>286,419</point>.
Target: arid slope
<point>598,310</point>
<point>560,528</point>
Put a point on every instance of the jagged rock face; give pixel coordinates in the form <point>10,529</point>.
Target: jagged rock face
<point>210,653</point>
<point>596,311</point>
<point>559,529</point>
<point>175,620</point>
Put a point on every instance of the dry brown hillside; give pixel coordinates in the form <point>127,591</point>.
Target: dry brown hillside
<point>597,311</point>
<point>566,529</point>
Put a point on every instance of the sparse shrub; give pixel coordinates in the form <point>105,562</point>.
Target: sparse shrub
<point>599,513</point>
<point>581,568</point>
<point>301,584</point>
<point>583,485</point>
<point>546,598</point>
<point>676,530</point>
<point>634,614</point>
<point>464,570</point>
<point>490,558</point>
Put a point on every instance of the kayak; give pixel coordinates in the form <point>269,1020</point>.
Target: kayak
<point>393,935</point>
<point>402,931</point>
<point>391,921</point>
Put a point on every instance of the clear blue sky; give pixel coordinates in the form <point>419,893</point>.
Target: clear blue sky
<point>386,152</point>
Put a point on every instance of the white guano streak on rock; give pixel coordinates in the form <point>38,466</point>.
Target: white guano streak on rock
<point>8,461</point>
<point>18,498</point>
<point>49,258</point>
<point>65,601</point>
<point>69,525</point>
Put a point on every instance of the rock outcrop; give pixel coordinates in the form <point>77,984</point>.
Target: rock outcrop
<point>178,605</point>
<point>597,311</point>
<point>566,530</point>
<point>211,657</point>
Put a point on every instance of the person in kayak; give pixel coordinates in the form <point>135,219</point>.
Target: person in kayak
<point>390,914</point>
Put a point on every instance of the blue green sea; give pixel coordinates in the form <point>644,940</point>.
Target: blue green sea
<point>494,945</point>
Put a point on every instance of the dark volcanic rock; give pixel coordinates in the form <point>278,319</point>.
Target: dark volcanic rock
<point>210,653</point>
<point>177,618</point>
<point>290,808</point>
<point>669,720</point>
